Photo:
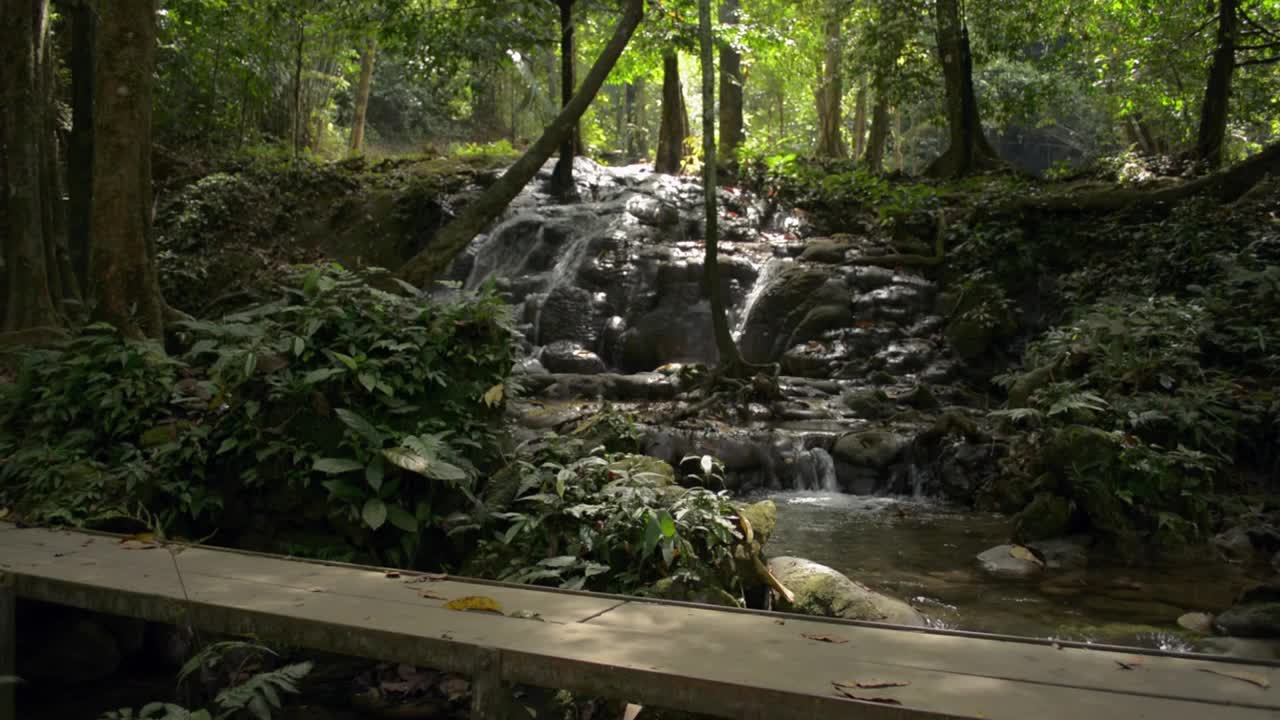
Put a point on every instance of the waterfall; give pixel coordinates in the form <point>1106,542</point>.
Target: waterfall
<point>825,469</point>
<point>770,268</point>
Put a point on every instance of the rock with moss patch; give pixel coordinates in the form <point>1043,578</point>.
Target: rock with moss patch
<point>1047,516</point>
<point>822,591</point>
<point>670,589</point>
<point>1259,620</point>
<point>870,448</point>
<point>1010,561</point>
<point>868,403</point>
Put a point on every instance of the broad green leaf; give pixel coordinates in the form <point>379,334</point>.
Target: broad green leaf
<point>374,472</point>
<point>667,524</point>
<point>250,364</point>
<point>374,513</point>
<point>652,533</point>
<point>318,376</point>
<point>347,360</point>
<point>493,396</point>
<point>401,518</point>
<point>368,381</point>
<point>336,466</point>
<point>559,562</point>
<point>361,426</point>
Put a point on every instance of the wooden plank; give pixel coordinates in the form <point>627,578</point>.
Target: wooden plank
<point>893,649</point>
<point>730,666</point>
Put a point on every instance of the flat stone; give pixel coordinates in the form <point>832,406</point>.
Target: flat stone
<point>1000,562</point>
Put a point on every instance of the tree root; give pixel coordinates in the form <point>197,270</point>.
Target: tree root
<point>897,261</point>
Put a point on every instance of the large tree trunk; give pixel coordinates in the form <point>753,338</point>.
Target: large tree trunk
<point>362,95</point>
<point>1212,136</point>
<point>732,127</point>
<point>125,288</point>
<point>675,117</point>
<point>969,150</point>
<point>879,131</point>
<point>562,176</point>
<point>453,238</point>
<point>860,122</point>
<point>30,299</point>
<point>727,348</point>
<point>80,144</point>
<point>637,148</point>
<point>831,89</point>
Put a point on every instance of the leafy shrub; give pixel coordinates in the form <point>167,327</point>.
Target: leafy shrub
<point>586,518</point>
<point>338,401</point>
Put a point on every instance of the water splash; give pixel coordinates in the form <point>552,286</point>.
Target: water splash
<point>771,268</point>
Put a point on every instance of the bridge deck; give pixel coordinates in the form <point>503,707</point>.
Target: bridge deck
<point>694,658</point>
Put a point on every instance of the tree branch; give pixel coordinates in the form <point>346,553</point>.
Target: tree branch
<point>1260,61</point>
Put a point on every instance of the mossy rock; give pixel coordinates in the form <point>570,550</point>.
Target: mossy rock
<point>1048,516</point>
<point>824,592</point>
<point>869,403</point>
<point>651,467</point>
<point>971,334</point>
<point>763,517</point>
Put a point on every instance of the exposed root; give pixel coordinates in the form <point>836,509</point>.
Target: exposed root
<point>897,261</point>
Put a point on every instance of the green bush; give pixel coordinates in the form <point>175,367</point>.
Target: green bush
<point>339,404</point>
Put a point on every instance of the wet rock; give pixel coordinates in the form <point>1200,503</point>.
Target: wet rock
<point>868,403</point>
<point>672,333</point>
<point>875,449</point>
<point>1235,544</point>
<point>1197,622</point>
<point>569,313</point>
<point>787,300</point>
<point>868,278</point>
<point>1064,553</point>
<point>529,366</point>
<point>569,357</point>
<point>826,250</point>
<point>892,302</point>
<point>921,398</point>
<point>906,356</point>
<point>1260,620</point>
<point>824,592</point>
<point>1047,516</point>
<point>652,211</point>
<point>1001,561</point>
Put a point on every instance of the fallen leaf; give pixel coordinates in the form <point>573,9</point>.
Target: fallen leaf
<point>780,622</point>
<point>393,574</point>
<point>872,684</point>
<point>1129,663</point>
<point>138,545</point>
<point>1022,553</point>
<point>852,696</point>
<point>475,603</point>
<point>139,537</point>
<point>493,396</point>
<point>431,595</point>
<point>825,638</point>
<point>1251,678</point>
<point>4,513</point>
<point>315,589</point>
<point>631,711</point>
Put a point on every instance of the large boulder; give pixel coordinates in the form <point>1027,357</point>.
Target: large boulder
<point>822,591</point>
<point>1261,620</point>
<point>788,303</point>
<point>875,449</point>
<point>564,356</point>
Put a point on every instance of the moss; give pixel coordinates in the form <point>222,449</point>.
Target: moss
<point>1048,516</point>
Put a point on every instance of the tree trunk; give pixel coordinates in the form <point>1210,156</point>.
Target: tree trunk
<point>860,122</point>
<point>879,131</point>
<point>125,288</point>
<point>362,95</point>
<point>80,144</point>
<point>562,176</point>
<point>637,148</point>
<point>298,120</point>
<point>831,90</point>
<point>1212,136</point>
<point>455,236</point>
<point>675,117</point>
<point>727,348</point>
<point>732,127</point>
<point>30,300</point>
<point>969,150</point>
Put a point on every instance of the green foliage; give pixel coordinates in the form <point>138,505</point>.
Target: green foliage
<point>336,401</point>
<point>610,522</point>
<point>837,189</point>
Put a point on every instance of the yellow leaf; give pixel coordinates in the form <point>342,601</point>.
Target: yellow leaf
<point>4,513</point>
<point>1023,553</point>
<point>1248,677</point>
<point>493,395</point>
<point>475,603</point>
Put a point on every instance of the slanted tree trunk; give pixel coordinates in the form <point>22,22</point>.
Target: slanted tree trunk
<point>80,143</point>
<point>860,121</point>
<point>727,348</point>
<point>969,150</point>
<point>879,131</point>
<point>831,89</point>
<point>453,238</point>
<point>1214,112</point>
<point>125,287</point>
<point>732,127</point>
<point>30,299</point>
<point>361,111</point>
<point>675,117</point>
<point>562,176</point>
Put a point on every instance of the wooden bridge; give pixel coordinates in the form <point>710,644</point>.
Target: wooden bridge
<point>725,663</point>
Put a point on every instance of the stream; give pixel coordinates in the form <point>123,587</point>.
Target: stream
<point>923,551</point>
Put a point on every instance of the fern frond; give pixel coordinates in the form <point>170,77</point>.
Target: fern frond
<point>261,693</point>
<point>1028,416</point>
<point>213,653</point>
